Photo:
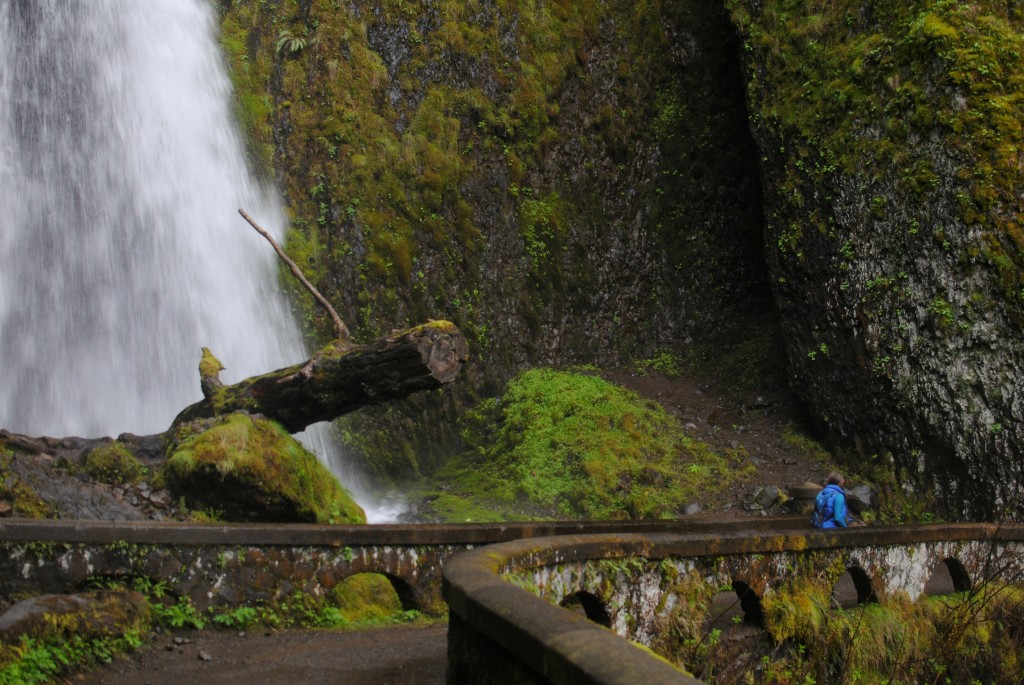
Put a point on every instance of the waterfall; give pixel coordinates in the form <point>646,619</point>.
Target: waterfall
<point>121,250</point>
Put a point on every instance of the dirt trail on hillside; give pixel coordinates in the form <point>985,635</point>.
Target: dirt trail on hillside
<point>756,423</point>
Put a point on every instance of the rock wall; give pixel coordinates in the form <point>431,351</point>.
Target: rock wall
<point>567,182</point>
<point>577,183</point>
<point>890,141</point>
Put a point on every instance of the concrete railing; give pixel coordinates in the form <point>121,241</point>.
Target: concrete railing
<point>502,633</point>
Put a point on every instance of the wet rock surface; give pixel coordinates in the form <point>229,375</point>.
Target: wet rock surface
<point>52,469</point>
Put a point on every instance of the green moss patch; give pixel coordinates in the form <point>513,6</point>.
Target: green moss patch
<point>565,444</point>
<point>859,88</point>
<point>52,634</point>
<point>253,470</point>
<point>113,464</point>
<point>366,597</point>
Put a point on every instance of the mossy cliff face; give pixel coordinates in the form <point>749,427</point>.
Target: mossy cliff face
<point>891,143</point>
<point>565,181</point>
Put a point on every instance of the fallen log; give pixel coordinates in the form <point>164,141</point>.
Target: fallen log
<point>339,378</point>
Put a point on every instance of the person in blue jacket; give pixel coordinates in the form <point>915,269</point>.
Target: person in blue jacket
<point>830,504</point>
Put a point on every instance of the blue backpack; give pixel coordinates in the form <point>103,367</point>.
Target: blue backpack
<point>823,511</point>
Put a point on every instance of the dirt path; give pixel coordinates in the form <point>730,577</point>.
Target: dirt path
<point>756,423</point>
<point>399,655</point>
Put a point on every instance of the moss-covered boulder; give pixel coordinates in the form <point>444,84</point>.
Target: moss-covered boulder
<point>573,445</point>
<point>251,469</point>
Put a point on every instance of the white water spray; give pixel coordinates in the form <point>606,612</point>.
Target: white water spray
<point>121,250</point>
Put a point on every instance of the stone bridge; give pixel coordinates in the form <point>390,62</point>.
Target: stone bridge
<point>504,613</point>
<point>504,583</point>
<point>227,565</point>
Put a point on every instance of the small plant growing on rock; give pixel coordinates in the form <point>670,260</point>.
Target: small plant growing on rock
<point>289,42</point>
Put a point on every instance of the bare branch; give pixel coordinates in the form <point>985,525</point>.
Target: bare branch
<point>339,326</point>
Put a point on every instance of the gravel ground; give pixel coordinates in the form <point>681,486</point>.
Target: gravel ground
<point>399,655</point>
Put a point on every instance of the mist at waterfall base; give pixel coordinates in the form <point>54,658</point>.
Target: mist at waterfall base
<point>121,249</point>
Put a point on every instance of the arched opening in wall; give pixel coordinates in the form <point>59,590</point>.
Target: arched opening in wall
<point>365,597</point>
<point>750,604</point>
<point>853,589</point>
<point>588,605</point>
<point>947,578</point>
<point>724,610</point>
<point>405,593</point>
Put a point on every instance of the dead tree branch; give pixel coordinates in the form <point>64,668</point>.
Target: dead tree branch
<point>339,326</point>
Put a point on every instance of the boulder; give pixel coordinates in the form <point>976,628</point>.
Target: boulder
<point>251,469</point>
<point>859,498</point>
<point>805,490</point>
<point>767,497</point>
<point>105,613</point>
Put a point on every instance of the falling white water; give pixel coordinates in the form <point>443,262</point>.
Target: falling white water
<point>121,250</point>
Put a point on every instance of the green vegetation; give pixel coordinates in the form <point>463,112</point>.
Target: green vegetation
<point>805,446</point>
<point>971,637</point>
<point>363,600</point>
<point>567,444</point>
<point>32,661</point>
<point>113,464</point>
<point>60,642</point>
<point>386,173</point>
<point>964,638</point>
<point>477,162</point>
<point>366,598</point>
<point>896,505</point>
<point>663,362</point>
<point>252,469</point>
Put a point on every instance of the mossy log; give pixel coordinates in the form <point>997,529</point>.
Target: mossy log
<point>341,378</point>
